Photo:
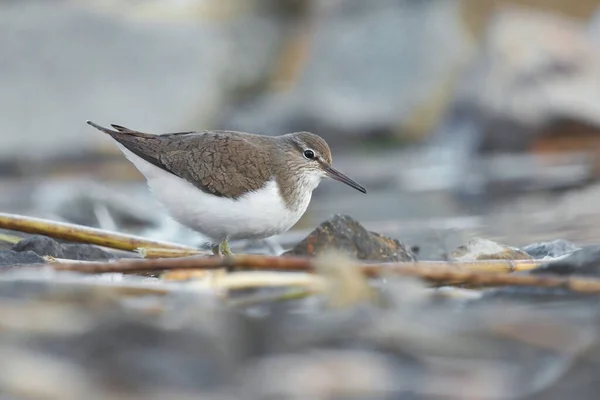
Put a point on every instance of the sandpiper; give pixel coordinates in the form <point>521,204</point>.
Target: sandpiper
<point>230,185</point>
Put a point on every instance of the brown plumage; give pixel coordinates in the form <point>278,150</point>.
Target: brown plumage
<point>210,160</point>
<point>223,163</point>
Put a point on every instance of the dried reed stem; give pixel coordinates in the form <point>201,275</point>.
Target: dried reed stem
<point>82,234</point>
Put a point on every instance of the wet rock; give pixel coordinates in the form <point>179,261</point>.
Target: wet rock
<point>45,246</point>
<point>344,233</point>
<point>484,249</point>
<point>10,257</point>
<point>554,248</point>
<point>582,262</point>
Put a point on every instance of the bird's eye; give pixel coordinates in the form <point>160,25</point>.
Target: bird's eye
<point>309,154</point>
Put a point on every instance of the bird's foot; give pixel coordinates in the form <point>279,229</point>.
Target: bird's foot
<point>225,250</point>
<point>222,249</point>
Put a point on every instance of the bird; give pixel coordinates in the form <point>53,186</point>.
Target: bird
<point>230,185</point>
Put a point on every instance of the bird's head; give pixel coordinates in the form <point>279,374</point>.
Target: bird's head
<point>310,155</point>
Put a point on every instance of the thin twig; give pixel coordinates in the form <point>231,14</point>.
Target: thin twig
<point>152,252</point>
<point>293,293</point>
<point>10,239</point>
<point>436,272</point>
<point>82,234</point>
<point>250,262</point>
<point>250,280</point>
<point>290,264</point>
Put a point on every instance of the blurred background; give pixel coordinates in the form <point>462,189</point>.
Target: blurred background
<point>460,117</point>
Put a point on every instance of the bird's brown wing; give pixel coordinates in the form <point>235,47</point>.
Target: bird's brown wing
<point>122,129</point>
<point>221,163</point>
<point>218,162</point>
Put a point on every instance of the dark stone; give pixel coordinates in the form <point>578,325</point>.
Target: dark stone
<point>582,262</point>
<point>86,252</point>
<point>9,257</point>
<point>554,248</point>
<point>41,245</point>
<point>45,246</point>
<point>345,233</point>
<point>416,249</point>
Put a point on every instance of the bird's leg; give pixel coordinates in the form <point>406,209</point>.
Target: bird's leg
<point>222,249</point>
<point>225,248</point>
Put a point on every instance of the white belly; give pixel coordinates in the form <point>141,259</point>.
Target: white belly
<point>255,215</point>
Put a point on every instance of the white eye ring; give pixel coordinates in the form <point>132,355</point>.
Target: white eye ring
<point>309,154</point>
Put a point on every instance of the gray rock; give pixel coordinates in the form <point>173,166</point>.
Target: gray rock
<point>582,262</point>
<point>9,258</point>
<point>45,246</point>
<point>554,248</point>
<point>344,233</point>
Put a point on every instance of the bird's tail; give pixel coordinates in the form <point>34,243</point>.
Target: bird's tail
<point>120,130</point>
